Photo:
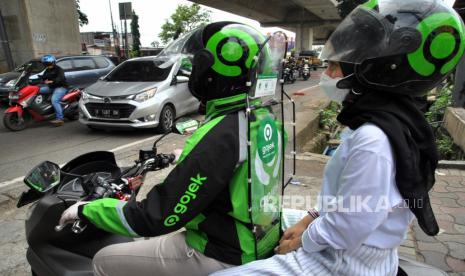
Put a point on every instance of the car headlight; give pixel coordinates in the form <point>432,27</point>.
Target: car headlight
<point>11,83</point>
<point>147,94</point>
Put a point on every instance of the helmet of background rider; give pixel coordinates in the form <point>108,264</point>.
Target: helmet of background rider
<point>399,46</point>
<point>225,62</point>
<point>48,60</point>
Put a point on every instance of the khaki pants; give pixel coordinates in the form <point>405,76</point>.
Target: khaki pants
<point>164,255</point>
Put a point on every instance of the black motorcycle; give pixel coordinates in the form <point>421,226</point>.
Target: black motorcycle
<point>68,250</point>
<point>289,74</point>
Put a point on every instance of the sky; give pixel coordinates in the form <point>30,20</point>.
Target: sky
<point>152,15</point>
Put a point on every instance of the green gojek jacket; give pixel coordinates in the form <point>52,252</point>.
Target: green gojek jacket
<point>207,193</point>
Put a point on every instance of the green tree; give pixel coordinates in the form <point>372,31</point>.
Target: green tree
<point>183,20</point>
<point>83,20</point>
<point>344,7</point>
<point>135,35</point>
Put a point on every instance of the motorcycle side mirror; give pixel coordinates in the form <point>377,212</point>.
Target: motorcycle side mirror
<point>186,127</point>
<point>34,80</point>
<point>43,177</point>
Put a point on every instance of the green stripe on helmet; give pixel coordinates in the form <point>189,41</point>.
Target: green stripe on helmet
<point>371,4</point>
<point>231,70</point>
<point>440,46</point>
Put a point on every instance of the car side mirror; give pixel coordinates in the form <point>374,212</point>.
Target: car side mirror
<point>43,177</point>
<point>179,79</point>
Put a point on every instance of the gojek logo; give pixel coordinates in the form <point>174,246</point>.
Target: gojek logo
<point>189,194</point>
<point>267,140</point>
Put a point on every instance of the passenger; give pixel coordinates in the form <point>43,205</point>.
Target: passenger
<point>381,56</point>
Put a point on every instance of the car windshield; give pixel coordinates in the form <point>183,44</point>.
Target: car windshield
<point>140,71</point>
<point>37,66</point>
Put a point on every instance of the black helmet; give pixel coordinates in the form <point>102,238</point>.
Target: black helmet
<point>223,59</point>
<point>399,46</point>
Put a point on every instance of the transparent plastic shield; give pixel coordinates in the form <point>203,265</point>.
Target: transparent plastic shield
<point>268,142</point>
<point>269,67</point>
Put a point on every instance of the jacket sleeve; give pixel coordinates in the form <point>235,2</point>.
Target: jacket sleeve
<point>368,178</point>
<point>60,78</point>
<point>204,170</point>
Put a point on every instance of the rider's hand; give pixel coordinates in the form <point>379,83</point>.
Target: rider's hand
<point>287,246</point>
<point>48,81</point>
<point>292,237</point>
<point>71,214</point>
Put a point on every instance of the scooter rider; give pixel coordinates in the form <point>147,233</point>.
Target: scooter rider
<point>381,56</point>
<point>207,192</point>
<point>55,80</point>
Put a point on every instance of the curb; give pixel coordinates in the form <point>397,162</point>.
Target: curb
<point>450,164</point>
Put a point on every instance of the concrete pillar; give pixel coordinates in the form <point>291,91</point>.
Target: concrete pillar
<point>303,38</point>
<point>38,27</point>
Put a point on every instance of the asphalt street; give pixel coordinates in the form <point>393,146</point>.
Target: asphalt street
<point>21,151</point>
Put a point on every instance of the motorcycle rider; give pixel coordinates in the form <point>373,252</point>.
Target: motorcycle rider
<point>207,191</point>
<point>55,80</point>
<point>381,56</point>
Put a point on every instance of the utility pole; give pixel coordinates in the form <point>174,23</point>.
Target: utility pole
<point>113,30</point>
<point>126,34</point>
<point>125,10</point>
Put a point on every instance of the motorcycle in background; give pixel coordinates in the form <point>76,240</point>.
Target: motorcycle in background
<point>289,74</point>
<point>26,103</point>
<point>305,71</point>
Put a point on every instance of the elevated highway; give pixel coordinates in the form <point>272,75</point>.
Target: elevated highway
<point>311,20</point>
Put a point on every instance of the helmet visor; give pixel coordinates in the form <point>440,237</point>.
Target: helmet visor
<point>390,28</point>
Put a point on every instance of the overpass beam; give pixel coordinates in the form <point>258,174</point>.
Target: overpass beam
<point>303,39</point>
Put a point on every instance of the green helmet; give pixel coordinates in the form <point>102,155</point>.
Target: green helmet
<point>223,60</point>
<point>399,46</point>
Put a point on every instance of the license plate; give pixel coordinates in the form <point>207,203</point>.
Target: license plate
<point>107,113</point>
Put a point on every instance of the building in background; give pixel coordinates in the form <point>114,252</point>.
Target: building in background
<point>37,27</point>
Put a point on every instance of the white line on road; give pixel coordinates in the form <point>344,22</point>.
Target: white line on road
<point>134,143</point>
<point>305,89</point>
<point>11,182</point>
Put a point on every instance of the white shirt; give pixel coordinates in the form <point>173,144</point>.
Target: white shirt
<point>362,170</point>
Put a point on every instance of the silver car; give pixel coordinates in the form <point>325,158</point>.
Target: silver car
<point>146,92</point>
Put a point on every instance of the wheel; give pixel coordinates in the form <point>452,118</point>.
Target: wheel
<point>315,68</point>
<point>13,123</point>
<point>93,128</point>
<point>306,78</point>
<point>167,117</point>
<point>72,117</point>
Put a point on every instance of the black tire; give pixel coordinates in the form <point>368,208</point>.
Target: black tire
<point>93,128</point>
<point>167,117</point>
<point>315,68</point>
<point>72,117</point>
<point>12,122</point>
<point>306,78</point>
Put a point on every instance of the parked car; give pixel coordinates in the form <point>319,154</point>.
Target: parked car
<point>80,71</point>
<point>147,92</point>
